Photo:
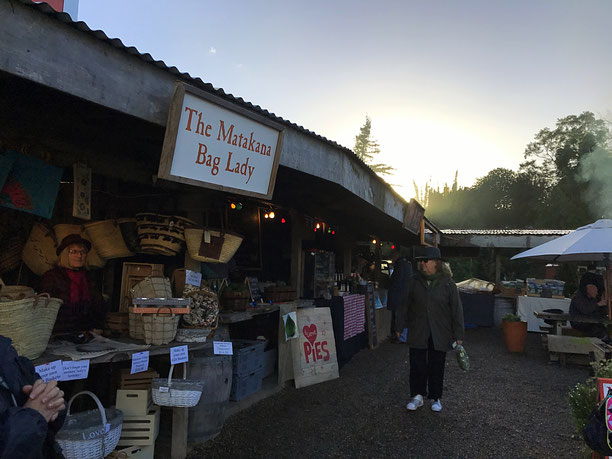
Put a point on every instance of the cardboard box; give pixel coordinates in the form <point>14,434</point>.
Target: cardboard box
<point>140,430</point>
<point>134,402</point>
<point>137,452</point>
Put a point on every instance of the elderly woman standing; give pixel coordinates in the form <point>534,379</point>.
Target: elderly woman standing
<point>83,308</point>
<point>434,317</point>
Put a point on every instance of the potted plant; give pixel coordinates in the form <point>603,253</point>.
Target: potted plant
<point>515,332</point>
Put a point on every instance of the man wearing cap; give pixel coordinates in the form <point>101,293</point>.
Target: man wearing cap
<point>83,307</point>
<point>434,318</point>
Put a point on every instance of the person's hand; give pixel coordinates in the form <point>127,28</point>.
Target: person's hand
<point>46,398</point>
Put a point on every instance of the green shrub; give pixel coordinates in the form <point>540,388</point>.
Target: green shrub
<point>583,397</point>
<point>510,317</point>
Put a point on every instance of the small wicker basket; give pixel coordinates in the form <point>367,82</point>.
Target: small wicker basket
<point>160,329</point>
<point>90,434</point>
<point>230,242</point>
<point>182,392</point>
<point>152,287</point>
<point>107,239</point>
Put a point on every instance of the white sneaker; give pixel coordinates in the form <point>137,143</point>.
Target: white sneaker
<point>416,402</point>
<point>436,405</point>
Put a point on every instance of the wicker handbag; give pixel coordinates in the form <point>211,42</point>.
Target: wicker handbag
<point>15,292</point>
<point>29,323</point>
<point>39,250</point>
<point>107,239</point>
<point>90,434</point>
<point>212,245</point>
<point>182,392</point>
<point>160,329</point>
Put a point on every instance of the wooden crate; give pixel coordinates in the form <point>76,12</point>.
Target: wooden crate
<point>137,381</point>
<point>572,349</point>
<point>131,275</point>
<point>134,402</point>
<point>140,430</point>
<point>117,324</point>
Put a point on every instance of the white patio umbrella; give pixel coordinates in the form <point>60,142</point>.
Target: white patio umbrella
<point>588,243</point>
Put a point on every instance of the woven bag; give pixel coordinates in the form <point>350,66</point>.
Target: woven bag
<point>29,323</point>
<point>152,287</point>
<point>94,260</point>
<point>136,326</point>
<point>91,434</point>
<point>107,239</point>
<point>160,329</point>
<point>129,232</point>
<point>39,253</point>
<point>179,392</point>
<point>204,308</point>
<point>15,292</point>
<point>212,245</point>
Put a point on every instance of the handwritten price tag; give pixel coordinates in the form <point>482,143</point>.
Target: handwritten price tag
<point>140,362</point>
<point>179,354</point>
<point>75,370</point>
<point>193,278</point>
<point>51,371</point>
<point>223,348</point>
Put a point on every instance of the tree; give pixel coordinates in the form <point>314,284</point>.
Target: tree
<point>367,148</point>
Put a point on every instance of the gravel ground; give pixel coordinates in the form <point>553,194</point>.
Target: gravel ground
<point>507,405</point>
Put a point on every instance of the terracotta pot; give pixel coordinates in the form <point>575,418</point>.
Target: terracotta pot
<point>515,334</point>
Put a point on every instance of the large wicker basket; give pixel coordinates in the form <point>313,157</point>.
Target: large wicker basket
<point>229,243</point>
<point>10,253</point>
<point>29,323</point>
<point>107,239</point>
<point>160,329</point>
<point>92,434</point>
<point>152,287</point>
<point>39,251</point>
<point>94,260</point>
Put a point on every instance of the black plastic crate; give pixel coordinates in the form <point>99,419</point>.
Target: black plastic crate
<point>248,356</point>
<point>243,386</point>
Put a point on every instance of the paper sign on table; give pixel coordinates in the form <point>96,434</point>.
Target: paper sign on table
<point>178,355</point>
<point>193,278</point>
<point>223,348</point>
<point>51,371</point>
<point>75,370</point>
<point>140,362</point>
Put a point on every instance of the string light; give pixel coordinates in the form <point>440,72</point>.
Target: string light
<point>373,241</point>
<point>272,214</point>
<point>283,220</point>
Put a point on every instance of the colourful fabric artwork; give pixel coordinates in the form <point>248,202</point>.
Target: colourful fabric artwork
<point>28,184</point>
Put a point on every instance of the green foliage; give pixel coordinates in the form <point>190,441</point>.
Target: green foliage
<point>367,148</point>
<point>563,183</point>
<point>583,397</point>
<point>511,317</point>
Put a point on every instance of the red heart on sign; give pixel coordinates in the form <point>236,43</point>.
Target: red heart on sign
<point>310,332</point>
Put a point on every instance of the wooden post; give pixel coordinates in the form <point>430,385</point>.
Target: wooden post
<point>180,418</point>
<point>297,271</point>
<point>497,267</point>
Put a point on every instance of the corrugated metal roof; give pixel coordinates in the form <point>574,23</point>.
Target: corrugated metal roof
<point>507,232</point>
<point>196,81</point>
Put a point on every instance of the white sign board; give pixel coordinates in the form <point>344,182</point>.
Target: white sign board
<point>179,354</point>
<point>75,370</point>
<point>209,142</point>
<point>223,348</point>
<point>140,362</point>
<point>50,371</point>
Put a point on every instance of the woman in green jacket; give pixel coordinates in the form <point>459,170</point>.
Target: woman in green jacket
<point>434,318</point>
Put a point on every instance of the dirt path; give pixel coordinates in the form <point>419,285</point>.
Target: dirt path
<point>507,405</point>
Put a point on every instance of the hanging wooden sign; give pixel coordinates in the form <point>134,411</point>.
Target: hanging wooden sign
<point>81,200</point>
<point>314,351</point>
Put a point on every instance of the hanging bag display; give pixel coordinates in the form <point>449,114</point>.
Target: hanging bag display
<point>90,434</point>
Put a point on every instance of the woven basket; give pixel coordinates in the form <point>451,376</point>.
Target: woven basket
<point>129,232</point>
<point>204,308</point>
<point>229,244</point>
<point>182,392</point>
<point>92,434</point>
<point>136,326</point>
<point>39,251</point>
<point>160,329</point>
<point>107,239</point>
<point>10,253</point>
<point>29,323</point>
<point>15,292</point>
<point>152,287</point>
<point>160,244</point>
<point>94,260</point>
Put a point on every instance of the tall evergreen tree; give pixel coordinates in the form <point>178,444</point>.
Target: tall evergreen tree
<point>366,148</point>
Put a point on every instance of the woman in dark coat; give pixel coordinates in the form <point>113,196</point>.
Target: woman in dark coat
<point>83,307</point>
<point>434,317</point>
<point>31,411</point>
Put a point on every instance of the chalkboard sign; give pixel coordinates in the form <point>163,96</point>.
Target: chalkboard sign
<point>253,284</point>
<point>371,317</point>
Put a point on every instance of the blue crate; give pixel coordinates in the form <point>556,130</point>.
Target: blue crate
<point>248,356</point>
<point>243,386</point>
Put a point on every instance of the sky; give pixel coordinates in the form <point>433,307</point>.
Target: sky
<point>449,85</point>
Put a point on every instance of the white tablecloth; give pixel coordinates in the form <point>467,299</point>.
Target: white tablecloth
<point>527,305</point>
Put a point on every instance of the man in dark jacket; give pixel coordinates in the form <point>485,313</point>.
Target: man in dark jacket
<point>398,292</point>
<point>31,411</point>
<point>434,317</point>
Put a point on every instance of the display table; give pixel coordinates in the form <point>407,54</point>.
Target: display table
<point>527,305</point>
<point>559,320</point>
